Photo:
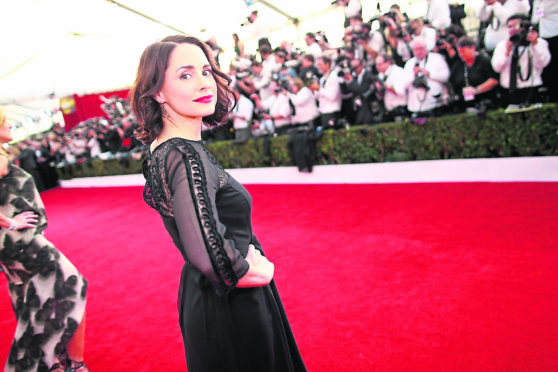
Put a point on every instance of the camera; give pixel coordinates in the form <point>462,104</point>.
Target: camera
<point>282,85</point>
<point>360,32</point>
<point>378,86</point>
<point>344,65</point>
<point>282,82</point>
<point>447,38</point>
<point>420,81</point>
<point>520,38</point>
<point>391,15</point>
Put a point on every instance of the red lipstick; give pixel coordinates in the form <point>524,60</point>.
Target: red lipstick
<point>204,99</point>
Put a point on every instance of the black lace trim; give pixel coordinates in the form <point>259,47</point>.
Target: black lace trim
<point>157,194</point>
<point>221,173</point>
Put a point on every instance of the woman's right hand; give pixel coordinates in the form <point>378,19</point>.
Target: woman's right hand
<point>260,272</point>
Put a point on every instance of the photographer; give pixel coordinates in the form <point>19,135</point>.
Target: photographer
<point>359,82</point>
<point>353,8</point>
<point>305,106</point>
<point>430,73</point>
<point>438,14</point>
<point>495,14</point>
<point>396,38</point>
<point>110,138</point>
<point>241,117</point>
<point>343,65</point>
<point>261,80</point>
<point>366,43</point>
<point>329,93</point>
<point>391,86</point>
<point>314,48</point>
<point>275,108</point>
<point>263,73</point>
<point>243,81</point>
<point>545,14</point>
<point>446,43</point>
<point>416,28</point>
<point>520,61</point>
<point>308,72</point>
<point>472,77</point>
<point>254,29</point>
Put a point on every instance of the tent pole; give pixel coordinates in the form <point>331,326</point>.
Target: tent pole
<point>146,16</point>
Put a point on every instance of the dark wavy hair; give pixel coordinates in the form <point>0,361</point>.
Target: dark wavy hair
<point>149,81</point>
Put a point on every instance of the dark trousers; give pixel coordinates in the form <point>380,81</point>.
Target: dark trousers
<point>522,96</point>
<point>329,120</point>
<point>550,70</point>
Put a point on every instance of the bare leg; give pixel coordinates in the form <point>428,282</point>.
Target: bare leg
<point>75,346</point>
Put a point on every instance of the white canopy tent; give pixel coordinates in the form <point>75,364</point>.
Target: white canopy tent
<point>55,48</point>
<point>62,47</point>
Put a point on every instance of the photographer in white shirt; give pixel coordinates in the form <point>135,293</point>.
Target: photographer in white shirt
<point>328,93</point>
<point>241,117</point>
<point>276,108</point>
<point>532,55</point>
<point>393,84</point>
<point>497,12</point>
<point>306,108</point>
<point>430,73</point>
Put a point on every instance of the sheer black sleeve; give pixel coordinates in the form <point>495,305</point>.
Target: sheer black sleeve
<point>193,182</point>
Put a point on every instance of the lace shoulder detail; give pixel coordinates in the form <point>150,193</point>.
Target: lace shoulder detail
<point>157,194</point>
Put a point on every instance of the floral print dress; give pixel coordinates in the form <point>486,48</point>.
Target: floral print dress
<point>46,290</point>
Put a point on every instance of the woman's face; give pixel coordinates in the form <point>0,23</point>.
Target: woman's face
<point>6,133</point>
<point>189,88</point>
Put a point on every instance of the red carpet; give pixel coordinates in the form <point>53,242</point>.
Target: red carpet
<point>416,277</point>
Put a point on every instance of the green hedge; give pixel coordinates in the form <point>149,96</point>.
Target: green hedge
<point>530,133</point>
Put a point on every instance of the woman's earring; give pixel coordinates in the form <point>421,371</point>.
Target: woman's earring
<point>164,110</point>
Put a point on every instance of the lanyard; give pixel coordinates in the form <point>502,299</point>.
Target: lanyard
<point>466,75</point>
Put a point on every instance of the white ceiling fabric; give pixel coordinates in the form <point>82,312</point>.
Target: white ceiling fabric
<point>80,46</point>
<point>61,47</point>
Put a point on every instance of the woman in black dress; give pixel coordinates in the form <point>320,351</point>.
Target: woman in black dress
<point>230,313</point>
<point>47,291</point>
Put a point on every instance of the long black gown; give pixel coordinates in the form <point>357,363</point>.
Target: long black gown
<point>208,215</point>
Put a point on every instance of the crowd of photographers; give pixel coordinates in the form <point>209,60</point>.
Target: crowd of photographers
<point>395,68</point>
<point>390,68</point>
<point>96,138</point>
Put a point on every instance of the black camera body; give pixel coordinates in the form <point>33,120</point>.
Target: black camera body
<point>378,85</point>
<point>449,38</point>
<point>400,32</point>
<point>421,81</point>
<point>282,82</point>
<point>392,15</point>
<point>520,38</point>
<point>344,65</point>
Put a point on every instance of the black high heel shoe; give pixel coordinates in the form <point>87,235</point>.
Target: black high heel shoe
<point>70,366</point>
<point>59,365</point>
<point>74,366</point>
